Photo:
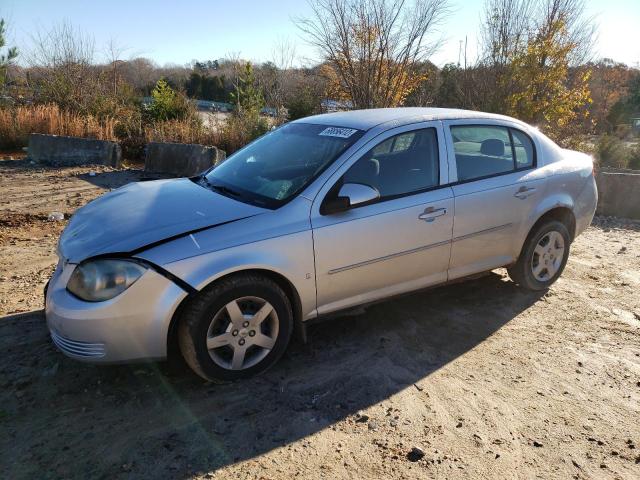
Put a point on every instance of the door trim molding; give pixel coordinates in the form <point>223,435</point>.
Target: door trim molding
<point>418,249</point>
<point>482,232</point>
<point>388,257</point>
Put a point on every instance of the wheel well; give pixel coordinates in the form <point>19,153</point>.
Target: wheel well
<point>283,282</point>
<point>561,214</point>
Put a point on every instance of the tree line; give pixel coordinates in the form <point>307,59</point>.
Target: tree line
<point>535,62</point>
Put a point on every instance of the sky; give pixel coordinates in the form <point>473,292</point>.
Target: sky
<point>179,32</point>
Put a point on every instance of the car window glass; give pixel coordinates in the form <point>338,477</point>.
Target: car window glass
<point>481,151</point>
<point>524,149</point>
<point>395,144</point>
<point>402,164</point>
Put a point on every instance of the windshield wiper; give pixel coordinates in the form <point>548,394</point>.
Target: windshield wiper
<point>222,188</point>
<point>227,190</point>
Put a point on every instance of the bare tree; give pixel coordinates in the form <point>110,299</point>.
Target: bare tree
<point>114,53</point>
<point>283,54</point>
<point>581,30</point>
<point>141,73</point>
<point>504,29</point>
<point>276,78</point>
<point>233,66</point>
<point>374,45</point>
<point>62,64</point>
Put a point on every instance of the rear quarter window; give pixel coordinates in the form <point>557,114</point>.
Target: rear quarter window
<point>523,147</point>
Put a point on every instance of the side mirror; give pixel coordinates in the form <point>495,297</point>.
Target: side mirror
<point>350,195</point>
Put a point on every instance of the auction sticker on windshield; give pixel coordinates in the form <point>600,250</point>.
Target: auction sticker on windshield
<point>338,132</point>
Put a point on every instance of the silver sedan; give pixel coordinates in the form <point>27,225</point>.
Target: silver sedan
<point>322,214</point>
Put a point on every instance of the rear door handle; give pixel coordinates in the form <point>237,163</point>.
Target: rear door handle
<point>430,214</point>
<point>523,192</point>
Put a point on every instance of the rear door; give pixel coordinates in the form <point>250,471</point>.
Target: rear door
<point>398,243</point>
<point>490,165</point>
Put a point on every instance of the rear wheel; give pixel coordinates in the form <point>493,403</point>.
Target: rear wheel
<point>236,328</point>
<point>543,256</point>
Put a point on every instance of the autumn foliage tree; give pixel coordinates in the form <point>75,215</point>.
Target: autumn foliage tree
<point>534,53</point>
<point>371,47</point>
<point>609,85</point>
<point>544,93</point>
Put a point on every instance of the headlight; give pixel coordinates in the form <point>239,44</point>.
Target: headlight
<point>99,280</point>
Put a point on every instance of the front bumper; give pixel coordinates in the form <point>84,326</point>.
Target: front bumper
<point>132,326</point>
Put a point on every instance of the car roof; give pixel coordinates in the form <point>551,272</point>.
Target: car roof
<point>367,119</point>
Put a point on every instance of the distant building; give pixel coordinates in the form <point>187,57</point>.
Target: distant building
<point>635,124</point>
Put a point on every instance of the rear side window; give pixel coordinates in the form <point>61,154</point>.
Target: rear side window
<point>400,165</point>
<point>486,150</point>
<point>523,146</point>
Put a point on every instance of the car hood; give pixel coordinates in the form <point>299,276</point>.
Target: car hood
<point>144,213</point>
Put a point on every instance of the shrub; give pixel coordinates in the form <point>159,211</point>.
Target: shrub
<point>189,130</point>
<point>302,104</point>
<point>634,157</point>
<point>611,152</point>
<point>129,130</point>
<point>240,129</point>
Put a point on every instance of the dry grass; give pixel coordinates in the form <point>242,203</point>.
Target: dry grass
<point>230,136</point>
<point>16,123</point>
<point>182,131</point>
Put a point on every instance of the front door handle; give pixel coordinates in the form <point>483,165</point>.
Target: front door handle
<point>430,214</point>
<point>523,192</point>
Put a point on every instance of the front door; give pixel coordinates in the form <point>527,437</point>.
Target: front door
<point>397,243</point>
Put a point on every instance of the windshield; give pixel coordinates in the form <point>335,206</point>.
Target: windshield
<point>271,170</point>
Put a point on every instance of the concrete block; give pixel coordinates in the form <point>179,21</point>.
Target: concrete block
<point>73,151</point>
<point>619,193</point>
<point>181,159</point>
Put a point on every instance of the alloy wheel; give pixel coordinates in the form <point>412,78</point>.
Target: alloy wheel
<point>242,333</point>
<point>548,256</point>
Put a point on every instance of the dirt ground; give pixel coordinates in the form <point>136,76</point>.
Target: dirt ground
<point>488,380</point>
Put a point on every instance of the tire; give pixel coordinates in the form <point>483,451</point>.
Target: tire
<point>244,315</point>
<point>541,262</point>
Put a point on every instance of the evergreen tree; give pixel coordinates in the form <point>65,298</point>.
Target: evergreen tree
<point>167,103</point>
<point>5,59</point>
<point>248,97</point>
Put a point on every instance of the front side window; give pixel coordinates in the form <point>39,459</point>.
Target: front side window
<point>485,150</point>
<point>396,143</point>
<point>402,164</point>
<point>275,167</point>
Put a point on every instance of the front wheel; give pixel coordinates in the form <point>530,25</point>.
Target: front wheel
<point>236,328</point>
<point>543,257</point>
